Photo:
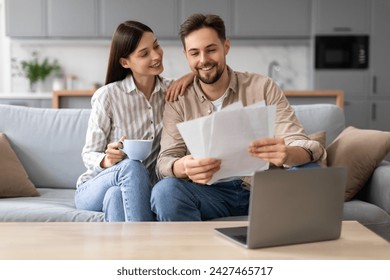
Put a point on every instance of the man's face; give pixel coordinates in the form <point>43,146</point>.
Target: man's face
<point>206,54</point>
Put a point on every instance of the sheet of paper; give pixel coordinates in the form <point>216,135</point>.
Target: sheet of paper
<point>196,134</point>
<point>226,135</point>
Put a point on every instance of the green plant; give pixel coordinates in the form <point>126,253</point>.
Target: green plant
<point>36,70</point>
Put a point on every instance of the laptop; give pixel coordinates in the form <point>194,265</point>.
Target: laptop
<point>292,207</point>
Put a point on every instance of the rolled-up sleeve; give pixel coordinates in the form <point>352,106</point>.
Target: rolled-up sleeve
<point>316,150</point>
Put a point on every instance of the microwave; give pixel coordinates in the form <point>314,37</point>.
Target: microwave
<point>341,52</point>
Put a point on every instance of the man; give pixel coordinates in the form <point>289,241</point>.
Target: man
<point>182,195</point>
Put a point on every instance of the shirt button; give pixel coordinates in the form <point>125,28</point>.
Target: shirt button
<point>151,121</point>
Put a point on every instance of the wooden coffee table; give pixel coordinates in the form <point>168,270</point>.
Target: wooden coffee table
<point>173,240</point>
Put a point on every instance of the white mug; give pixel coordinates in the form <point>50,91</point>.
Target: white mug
<point>136,149</point>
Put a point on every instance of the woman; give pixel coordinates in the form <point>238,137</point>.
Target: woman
<point>130,105</point>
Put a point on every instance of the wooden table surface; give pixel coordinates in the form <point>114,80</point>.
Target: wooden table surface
<point>173,240</point>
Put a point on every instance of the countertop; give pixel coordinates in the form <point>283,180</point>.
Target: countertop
<point>26,95</point>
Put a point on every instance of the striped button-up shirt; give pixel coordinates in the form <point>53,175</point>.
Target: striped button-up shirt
<point>120,109</point>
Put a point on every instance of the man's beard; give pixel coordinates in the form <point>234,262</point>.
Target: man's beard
<point>212,79</point>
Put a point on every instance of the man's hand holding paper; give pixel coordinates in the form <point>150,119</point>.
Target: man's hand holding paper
<point>199,170</point>
<point>226,135</point>
<point>272,150</point>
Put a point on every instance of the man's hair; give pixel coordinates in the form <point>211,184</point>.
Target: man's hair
<point>198,21</point>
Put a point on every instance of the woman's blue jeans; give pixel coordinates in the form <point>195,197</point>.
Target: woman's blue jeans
<point>122,192</point>
<point>176,199</point>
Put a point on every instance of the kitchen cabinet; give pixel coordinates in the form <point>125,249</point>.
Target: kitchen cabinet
<point>222,8</point>
<point>380,66</point>
<point>380,114</point>
<point>271,18</point>
<point>72,18</point>
<point>356,85</point>
<point>159,15</point>
<point>357,112</point>
<point>380,46</point>
<point>367,92</point>
<point>25,18</point>
<point>342,16</point>
<point>99,18</point>
<point>51,18</point>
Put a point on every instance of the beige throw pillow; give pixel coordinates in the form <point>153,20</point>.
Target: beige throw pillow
<point>360,151</point>
<point>14,180</point>
<point>319,136</point>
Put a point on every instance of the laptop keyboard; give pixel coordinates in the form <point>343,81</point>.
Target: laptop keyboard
<point>240,238</point>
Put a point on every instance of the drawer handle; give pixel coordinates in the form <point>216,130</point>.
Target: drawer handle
<point>373,111</point>
<point>342,29</point>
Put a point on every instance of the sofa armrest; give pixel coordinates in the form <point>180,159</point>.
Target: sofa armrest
<point>377,190</point>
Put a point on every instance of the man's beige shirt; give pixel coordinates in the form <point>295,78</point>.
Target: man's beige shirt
<point>245,87</point>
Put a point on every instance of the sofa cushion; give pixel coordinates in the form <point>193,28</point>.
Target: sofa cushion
<point>53,205</point>
<point>360,151</point>
<point>14,180</point>
<point>321,117</point>
<point>377,189</point>
<point>48,142</point>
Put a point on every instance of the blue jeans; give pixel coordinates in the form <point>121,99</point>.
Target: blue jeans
<point>122,192</point>
<point>176,199</point>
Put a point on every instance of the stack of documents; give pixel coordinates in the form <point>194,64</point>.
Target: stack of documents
<point>226,135</point>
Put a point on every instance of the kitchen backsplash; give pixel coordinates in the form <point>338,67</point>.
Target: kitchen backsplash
<point>86,61</point>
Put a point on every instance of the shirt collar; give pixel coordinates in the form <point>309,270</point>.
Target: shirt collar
<point>233,84</point>
<point>129,85</point>
<point>232,87</point>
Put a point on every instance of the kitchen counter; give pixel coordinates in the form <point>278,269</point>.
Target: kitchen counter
<point>82,98</point>
<point>29,99</point>
<point>25,95</point>
<point>55,99</point>
<point>299,97</point>
<point>72,98</point>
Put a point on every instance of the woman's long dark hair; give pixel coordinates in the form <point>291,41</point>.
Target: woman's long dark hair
<point>124,41</point>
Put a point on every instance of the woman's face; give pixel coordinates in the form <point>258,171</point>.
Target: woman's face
<point>146,59</point>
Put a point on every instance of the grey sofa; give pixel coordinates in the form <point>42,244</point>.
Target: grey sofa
<point>48,142</point>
